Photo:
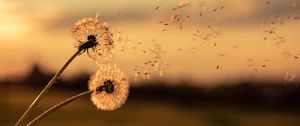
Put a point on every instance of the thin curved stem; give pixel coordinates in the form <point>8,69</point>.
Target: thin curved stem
<point>45,90</point>
<point>56,107</point>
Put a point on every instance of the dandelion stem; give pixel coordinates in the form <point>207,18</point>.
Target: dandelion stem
<point>45,90</point>
<point>56,107</point>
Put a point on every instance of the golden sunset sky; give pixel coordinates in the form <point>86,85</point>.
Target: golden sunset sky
<point>39,32</point>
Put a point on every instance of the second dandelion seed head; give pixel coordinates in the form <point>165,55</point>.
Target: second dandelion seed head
<point>110,87</point>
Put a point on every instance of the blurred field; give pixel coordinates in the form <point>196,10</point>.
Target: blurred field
<point>145,112</point>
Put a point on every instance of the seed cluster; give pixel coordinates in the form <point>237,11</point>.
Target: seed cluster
<point>125,43</point>
<point>207,35</point>
<point>178,13</point>
<point>178,16</point>
<point>257,65</point>
<point>157,64</point>
<point>270,31</point>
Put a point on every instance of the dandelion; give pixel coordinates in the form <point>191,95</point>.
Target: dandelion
<point>111,87</point>
<point>90,33</point>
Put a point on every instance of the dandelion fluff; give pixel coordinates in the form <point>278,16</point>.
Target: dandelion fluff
<point>92,27</point>
<point>110,86</point>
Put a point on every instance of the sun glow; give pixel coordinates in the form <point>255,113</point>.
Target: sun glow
<point>10,23</point>
<point>12,28</point>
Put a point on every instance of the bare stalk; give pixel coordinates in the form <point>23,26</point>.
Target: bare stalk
<point>56,107</point>
<point>45,90</point>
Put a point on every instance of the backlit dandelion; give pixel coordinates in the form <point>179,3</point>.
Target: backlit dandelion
<point>111,87</point>
<point>90,33</point>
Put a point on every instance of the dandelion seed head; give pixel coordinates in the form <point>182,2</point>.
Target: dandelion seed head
<point>90,27</point>
<point>110,86</point>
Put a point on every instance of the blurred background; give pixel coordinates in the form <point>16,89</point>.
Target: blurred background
<point>223,62</point>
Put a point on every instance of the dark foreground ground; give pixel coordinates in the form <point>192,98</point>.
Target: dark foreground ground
<point>245,103</point>
<point>165,106</point>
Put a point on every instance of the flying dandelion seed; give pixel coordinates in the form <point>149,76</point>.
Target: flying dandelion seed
<point>207,35</point>
<point>202,5</point>
<point>222,54</point>
<point>214,10</point>
<point>270,30</point>
<point>122,40</point>
<point>179,49</point>
<point>236,46</point>
<point>90,33</point>
<point>183,3</point>
<point>125,43</point>
<point>288,78</point>
<point>157,7</point>
<point>256,65</point>
<point>290,55</point>
<point>193,48</point>
<point>110,86</point>
<point>164,29</point>
<point>218,67</point>
<point>176,18</point>
<point>156,64</point>
<point>221,7</point>
<point>143,70</point>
